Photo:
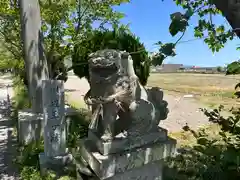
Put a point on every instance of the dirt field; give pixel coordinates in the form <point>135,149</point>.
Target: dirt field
<point>210,89</point>
<point>213,90</point>
<point>182,110</point>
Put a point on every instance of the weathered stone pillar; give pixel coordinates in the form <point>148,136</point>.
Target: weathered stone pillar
<point>36,67</point>
<point>34,58</point>
<point>55,150</point>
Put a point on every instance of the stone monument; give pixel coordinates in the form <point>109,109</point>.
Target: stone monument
<point>124,140</point>
<point>31,126</point>
<point>55,151</point>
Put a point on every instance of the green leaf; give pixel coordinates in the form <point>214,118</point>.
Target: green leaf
<point>178,24</point>
<point>158,59</point>
<point>168,49</point>
<point>158,43</point>
<point>202,141</point>
<point>198,33</point>
<point>237,86</point>
<point>178,2</point>
<point>220,29</point>
<point>176,15</point>
<point>188,13</point>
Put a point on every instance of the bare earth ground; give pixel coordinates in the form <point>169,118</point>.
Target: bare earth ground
<point>182,110</point>
<point>210,89</point>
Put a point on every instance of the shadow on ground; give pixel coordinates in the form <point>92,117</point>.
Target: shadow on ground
<point>3,86</point>
<point>8,147</point>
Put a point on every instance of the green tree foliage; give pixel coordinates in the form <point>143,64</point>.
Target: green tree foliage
<point>220,69</point>
<point>215,36</point>
<point>119,39</point>
<point>62,23</point>
<point>10,35</point>
<point>233,68</point>
<point>67,21</point>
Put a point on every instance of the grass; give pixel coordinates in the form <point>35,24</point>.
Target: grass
<point>78,104</point>
<point>186,138</point>
<point>211,89</point>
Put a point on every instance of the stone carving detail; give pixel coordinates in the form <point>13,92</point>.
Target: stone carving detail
<point>121,106</point>
<point>54,118</point>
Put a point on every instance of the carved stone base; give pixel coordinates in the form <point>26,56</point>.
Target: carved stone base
<point>120,144</point>
<point>54,163</point>
<point>138,163</point>
<point>151,171</point>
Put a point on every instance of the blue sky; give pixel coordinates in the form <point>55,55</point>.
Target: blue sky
<point>149,19</point>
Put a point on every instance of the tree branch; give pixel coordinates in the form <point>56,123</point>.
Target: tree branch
<point>80,16</point>
<point>180,37</point>
<point>230,12</point>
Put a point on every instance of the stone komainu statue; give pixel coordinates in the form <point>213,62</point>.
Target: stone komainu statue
<point>120,104</point>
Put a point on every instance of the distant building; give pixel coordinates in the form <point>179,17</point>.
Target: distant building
<point>204,69</point>
<point>171,68</point>
<point>167,68</point>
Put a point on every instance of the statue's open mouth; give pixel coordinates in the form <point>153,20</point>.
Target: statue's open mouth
<point>104,70</point>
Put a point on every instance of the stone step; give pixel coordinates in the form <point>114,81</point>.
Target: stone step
<point>106,166</point>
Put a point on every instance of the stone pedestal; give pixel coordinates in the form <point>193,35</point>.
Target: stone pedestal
<point>56,163</point>
<point>31,126</point>
<point>120,143</point>
<point>143,161</point>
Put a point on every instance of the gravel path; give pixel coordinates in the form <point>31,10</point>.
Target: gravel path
<point>182,109</point>
<point>7,142</point>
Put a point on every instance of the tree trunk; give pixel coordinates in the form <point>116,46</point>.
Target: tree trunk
<point>231,10</point>
<point>35,61</point>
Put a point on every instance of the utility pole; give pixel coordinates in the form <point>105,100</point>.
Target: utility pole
<point>35,60</point>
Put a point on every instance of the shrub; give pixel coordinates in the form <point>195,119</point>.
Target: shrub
<point>28,162</point>
<point>106,39</point>
<point>233,68</point>
<point>213,157</point>
<point>20,99</point>
<point>78,128</point>
<point>28,154</point>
